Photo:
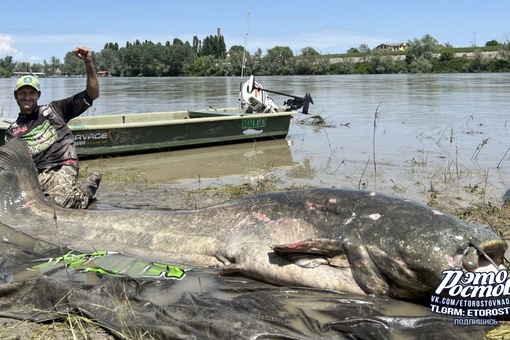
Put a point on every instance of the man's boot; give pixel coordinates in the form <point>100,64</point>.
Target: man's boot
<point>91,184</point>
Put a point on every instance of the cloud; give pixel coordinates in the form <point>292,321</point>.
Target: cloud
<point>6,45</point>
<point>36,48</point>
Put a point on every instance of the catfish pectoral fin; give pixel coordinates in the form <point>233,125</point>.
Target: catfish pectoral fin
<point>324,246</point>
<point>232,269</point>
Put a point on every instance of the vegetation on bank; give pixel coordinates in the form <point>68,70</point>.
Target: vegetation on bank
<point>209,57</point>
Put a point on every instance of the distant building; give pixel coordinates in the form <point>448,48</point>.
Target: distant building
<point>392,47</point>
<point>26,73</point>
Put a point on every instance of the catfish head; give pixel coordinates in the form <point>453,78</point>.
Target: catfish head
<point>400,248</point>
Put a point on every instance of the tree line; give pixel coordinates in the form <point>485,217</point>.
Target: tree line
<point>209,57</point>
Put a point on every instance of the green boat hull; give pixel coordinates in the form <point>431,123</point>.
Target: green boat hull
<point>123,134</point>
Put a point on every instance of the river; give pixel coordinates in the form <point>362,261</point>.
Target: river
<point>403,134</point>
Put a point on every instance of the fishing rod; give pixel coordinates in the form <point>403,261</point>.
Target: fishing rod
<point>243,62</point>
<point>295,104</point>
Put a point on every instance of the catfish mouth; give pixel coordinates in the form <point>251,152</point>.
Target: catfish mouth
<point>488,256</point>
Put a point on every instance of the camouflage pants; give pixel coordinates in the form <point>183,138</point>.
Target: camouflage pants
<point>60,187</point>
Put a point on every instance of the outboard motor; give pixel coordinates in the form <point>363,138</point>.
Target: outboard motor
<point>254,95</point>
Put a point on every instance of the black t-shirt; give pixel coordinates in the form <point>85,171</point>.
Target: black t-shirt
<point>45,130</point>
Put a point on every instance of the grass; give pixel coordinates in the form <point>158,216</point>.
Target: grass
<point>73,324</point>
<point>69,327</point>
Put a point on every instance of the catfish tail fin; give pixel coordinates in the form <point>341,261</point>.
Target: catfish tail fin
<point>19,183</point>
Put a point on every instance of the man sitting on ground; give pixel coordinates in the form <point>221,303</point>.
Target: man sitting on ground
<point>49,139</point>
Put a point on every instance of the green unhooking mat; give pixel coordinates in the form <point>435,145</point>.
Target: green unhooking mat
<point>127,297</point>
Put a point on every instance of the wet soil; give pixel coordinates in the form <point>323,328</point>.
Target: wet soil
<point>143,186</point>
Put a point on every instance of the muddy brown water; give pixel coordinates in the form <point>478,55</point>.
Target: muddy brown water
<point>403,134</point>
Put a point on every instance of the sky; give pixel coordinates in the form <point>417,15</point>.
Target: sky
<point>34,31</point>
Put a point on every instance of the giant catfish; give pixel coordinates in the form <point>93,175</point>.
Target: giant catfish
<point>351,241</point>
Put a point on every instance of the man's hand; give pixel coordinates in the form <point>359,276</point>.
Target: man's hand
<point>83,53</point>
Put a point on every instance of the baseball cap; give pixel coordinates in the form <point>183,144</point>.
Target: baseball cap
<point>28,81</point>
